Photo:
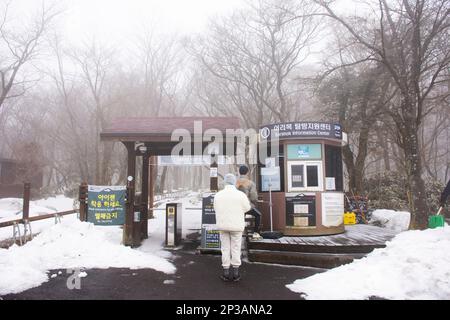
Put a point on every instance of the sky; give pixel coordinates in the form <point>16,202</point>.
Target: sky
<point>115,20</point>
<point>115,23</point>
<point>118,19</point>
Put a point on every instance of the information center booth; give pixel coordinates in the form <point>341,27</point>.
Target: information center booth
<point>305,186</point>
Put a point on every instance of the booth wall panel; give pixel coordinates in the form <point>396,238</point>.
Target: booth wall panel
<point>279,211</point>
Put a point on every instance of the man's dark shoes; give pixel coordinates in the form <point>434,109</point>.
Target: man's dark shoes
<point>226,275</point>
<point>235,273</point>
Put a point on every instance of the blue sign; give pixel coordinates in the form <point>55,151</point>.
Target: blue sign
<point>304,151</point>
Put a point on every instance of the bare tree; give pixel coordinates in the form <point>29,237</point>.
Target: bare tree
<point>356,98</point>
<point>253,56</point>
<point>409,43</point>
<point>19,45</point>
<point>160,61</point>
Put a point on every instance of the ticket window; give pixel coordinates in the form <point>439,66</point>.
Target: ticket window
<point>304,176</point>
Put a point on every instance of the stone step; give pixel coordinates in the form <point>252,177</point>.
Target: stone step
<point>305,259</point>
<point>309,248</point>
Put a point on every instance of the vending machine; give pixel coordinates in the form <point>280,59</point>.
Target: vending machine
<point>173,224</point>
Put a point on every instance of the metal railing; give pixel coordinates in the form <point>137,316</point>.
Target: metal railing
<point>26,220</point>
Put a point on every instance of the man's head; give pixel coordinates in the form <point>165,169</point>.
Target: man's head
<point>229,179</point>
<point>243,170</point>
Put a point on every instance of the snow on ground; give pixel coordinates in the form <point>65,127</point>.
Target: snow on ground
<point>414,265</point>
<point>11,208</point>
<point>70,244</point>
<point>390,219</point>
<point>75,244</point>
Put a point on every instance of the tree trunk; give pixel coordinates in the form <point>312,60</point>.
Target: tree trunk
<point>418,203</point>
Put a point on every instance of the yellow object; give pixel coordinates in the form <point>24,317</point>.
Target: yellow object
<point>349,218</point>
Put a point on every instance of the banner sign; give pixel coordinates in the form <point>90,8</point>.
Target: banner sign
<point>192,160</point>
<point>301,130</point>
<point>106,205</point>
<point>208,212</point>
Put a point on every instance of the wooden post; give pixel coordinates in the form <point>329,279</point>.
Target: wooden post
<point>129,213</point>
<point>152,178</point>
<point>83,197</point>
<point>144,196</point>
<point>213,180</point>
<point>26,201</point>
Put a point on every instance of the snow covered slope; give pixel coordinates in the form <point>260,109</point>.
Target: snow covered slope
<point>414,265</point>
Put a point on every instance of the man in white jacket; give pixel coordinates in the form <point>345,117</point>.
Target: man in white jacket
<point>231,205</point>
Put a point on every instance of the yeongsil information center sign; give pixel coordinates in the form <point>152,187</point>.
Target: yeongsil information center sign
<point>301,130</point>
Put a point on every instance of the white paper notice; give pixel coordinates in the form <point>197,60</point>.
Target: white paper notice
<point>332,209</point>
<point>301,208</point>
<point>330,183</point>
<point>270,162</point>
<point>213,172</point>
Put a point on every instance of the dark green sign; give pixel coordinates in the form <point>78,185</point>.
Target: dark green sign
<point>106,205</point>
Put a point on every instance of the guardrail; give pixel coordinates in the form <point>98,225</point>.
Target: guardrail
<point>36,218</point>
<point>174,194</point>
<point>26,220</point>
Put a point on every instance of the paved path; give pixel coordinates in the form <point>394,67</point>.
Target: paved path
<point>197,277</point>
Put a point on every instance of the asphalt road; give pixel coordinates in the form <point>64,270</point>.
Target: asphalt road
<point>197,278</point>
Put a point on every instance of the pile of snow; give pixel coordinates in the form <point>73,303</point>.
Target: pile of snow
<point>390,219</point>
<point>71,244</point>
<point>414,265</point>
<point>11,208</point>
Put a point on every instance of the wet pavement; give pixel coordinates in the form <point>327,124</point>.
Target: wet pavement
<point>196,278</point>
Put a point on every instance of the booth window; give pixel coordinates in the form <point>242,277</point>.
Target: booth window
<point>305,176</point>
<point>297,176</point>
<point>312,173</point>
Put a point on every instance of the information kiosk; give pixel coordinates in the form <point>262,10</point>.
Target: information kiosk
<point>307,187</point>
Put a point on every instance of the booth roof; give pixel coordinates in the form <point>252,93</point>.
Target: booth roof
<point>163,126</point>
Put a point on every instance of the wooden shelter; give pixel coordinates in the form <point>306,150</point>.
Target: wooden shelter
<point>149,137</point>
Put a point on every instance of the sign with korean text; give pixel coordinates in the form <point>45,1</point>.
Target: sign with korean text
<point>301,130</point>
<point>106,205</point>
<point>210,238</point>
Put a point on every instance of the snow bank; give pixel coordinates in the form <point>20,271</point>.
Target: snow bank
<point>11,208</point>
<point>414,265</point>
<point>390,219</point>
<point>70,244</point>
